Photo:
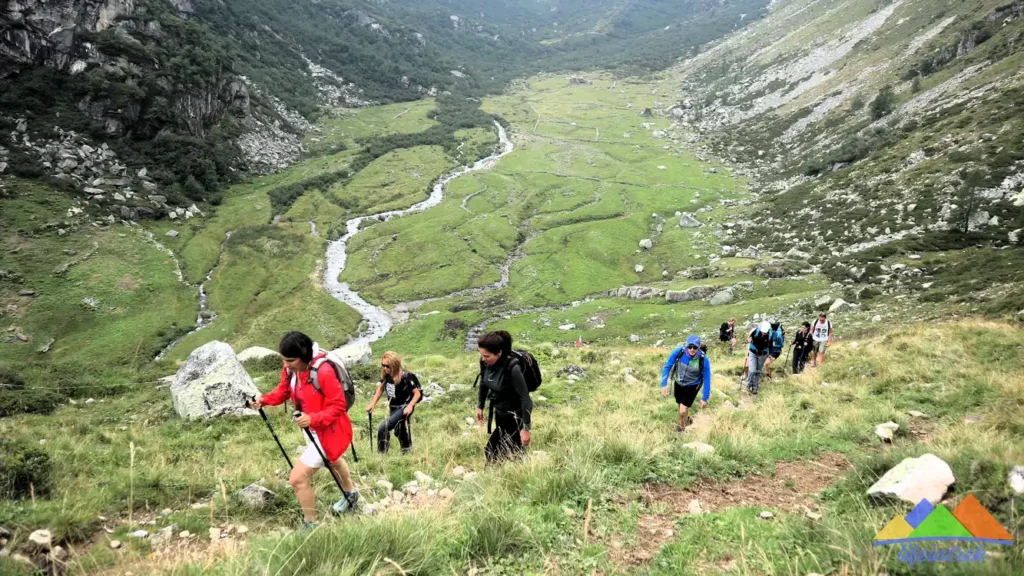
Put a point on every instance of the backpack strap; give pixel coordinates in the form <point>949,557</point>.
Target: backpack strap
<point>314,370</point>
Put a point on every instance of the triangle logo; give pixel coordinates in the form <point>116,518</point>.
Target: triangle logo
<point>941,525</point>
<point>979,521</point>
<point>896,529</point>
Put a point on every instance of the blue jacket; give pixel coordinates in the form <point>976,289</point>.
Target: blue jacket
<point>680,355</point>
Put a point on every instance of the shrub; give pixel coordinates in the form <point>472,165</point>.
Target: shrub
<point>24,470</point>
<point>884,103</point>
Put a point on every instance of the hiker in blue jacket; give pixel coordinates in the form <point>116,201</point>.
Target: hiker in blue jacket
<point>690,368</point>
<point>777,334</point>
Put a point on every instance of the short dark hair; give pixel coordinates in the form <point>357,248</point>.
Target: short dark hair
<point>495,342</point>
<point>823,315</point>
<point>296,345</point>
<point>806,324</point>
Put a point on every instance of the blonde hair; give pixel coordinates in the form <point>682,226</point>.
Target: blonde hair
<point>395,361</point>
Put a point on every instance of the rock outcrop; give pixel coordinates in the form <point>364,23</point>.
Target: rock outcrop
<point>915,479</point>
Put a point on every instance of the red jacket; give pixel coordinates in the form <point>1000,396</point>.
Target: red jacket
<point>327,414</point>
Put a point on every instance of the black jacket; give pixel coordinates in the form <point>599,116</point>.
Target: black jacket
<point>505,386</point>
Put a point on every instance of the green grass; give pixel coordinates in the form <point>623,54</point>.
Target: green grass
<point>512,519</point>
<point>398,179</point>
<point>350,128</point>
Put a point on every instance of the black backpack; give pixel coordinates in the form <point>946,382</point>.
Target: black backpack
<point>723,332</point>
<point>527,363</point>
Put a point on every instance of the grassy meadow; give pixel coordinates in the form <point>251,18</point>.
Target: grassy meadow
<point>606,487</point>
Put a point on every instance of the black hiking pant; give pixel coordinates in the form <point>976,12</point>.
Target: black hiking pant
<point>396,421</point>
<point>504,441</point>
<point>800,358</point>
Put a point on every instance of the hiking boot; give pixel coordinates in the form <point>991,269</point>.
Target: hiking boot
<point>347,503</point>
<point>680,429</point>
<point>308,526</point>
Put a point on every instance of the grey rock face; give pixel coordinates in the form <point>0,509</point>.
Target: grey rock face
<point>212,382</point>
<point>694,293</point>
<point>688,221</point>
<point>255,496</point>
<point>914,479</point>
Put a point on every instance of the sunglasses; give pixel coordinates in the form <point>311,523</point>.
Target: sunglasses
<point>385,366</point>
<point>691,347</point>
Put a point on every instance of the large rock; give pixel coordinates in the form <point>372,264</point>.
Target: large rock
<point>357,353</point>
<point>797,254</point>
<point>637,292</point>
<point>255,496</point>
<point>722,298</point>
<point>688,221</point>
<point>40,541</point>
<point>646,244</point>
<point>915,479</point>
<point>839,305</point>
<point>212,382</point>
<point>700,447</point>
<point>694,293</point>
<point>885,431</point>
<point>822,302</point>
<point>255,353</point>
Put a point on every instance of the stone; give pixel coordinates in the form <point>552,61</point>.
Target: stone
<point>572,370</point>
<point>40,540</point>
<point>171,234</point>
<point>692,293</point>
<point>688,221</point>
<point>634,338</point>
<point>570,512</point>
<point>1016,479</point>
<point>115,544</point>
<point>749,252</point>
<point>694,507</point>
<point>813,515</point>
<point>638,268</point>
<point>458,471</point>
<point>256,497</point>
<point>422,478</point>
<point>412,490</point>
<point>766,515</point>
<point>470,421</point>
<point>914,479</point>
<point>700,447</point>
<point>822,302</point>
<point>646,244</point>
<point>886,431</point>
<point>356,353</point>
<point>794,253</point>
<point>839,305</point>
<point>59,554</point>
<point>242,529</point>
<point>446,493</point>
<point>916,414</point>
<point>215,533</point>
<point>397,497</point>
<point>876,318</point>
<point>724,297</point>
<point>566,327</point>
<point>256,353</point>
<point>212,382</point>
<point>385,485</point>
<point>184,534</point>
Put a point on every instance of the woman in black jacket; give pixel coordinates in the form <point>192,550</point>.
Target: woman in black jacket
<point>503,383</point>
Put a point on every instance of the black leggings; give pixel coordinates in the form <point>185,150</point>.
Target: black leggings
<point>800,359</point>
<point>505,441</point>
<point>396,421</point>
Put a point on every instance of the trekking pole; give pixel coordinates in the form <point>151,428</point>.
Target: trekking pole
<point>408,428</point>
<point>369,431</point>
<point>327,463</point>
<point>274,434</point>
<point>352,444</point>
<point>786,361</point>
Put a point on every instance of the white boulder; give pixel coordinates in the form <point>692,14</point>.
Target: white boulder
<point>915,479</point>
<point>356,353</point>
<point>255,353</point>
<point>212,382</point>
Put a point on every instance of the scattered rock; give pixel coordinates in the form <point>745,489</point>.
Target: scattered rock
<point>766,515</point>
<point>694,507</point>
<point>566,327</point>
<point>140,534</point>
<point>184,534</point>
<point>242,529</point>
<point>458,471</point>
<point>813,515</point>
<point>446,493</point>
<point>115,544</point>
<point>692,293</point>
<point>688,221</point>
<point>572,370</point>
<point>211,382</point>
<point>916,414</point>
<point>356,353</point>
<point>634,338</point>
<point>646,244</point>
<point>423,478</point>
<point>724,297</point>
<point>172,234</point>
<point>839,305</point>
<point>822,302</point>
<point>1016,479</point>
<point>749,252</point>
<point>255,353</point>
<point>256,497</point>
<point>470,421</point>
<point>638,268</point>
<point>927,477</point>
<point>886,431</point>
<point>876,318</point>
<point>385,486</point>
<point>700,447</point>
<point>40,540</point>
<point>215,533</point>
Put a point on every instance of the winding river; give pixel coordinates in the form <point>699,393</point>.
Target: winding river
<point>378,321</point>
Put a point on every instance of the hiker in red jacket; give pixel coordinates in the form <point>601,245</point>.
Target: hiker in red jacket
<point>323,412</point>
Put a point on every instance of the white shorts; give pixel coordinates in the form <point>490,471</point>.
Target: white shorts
<point>310,457</point>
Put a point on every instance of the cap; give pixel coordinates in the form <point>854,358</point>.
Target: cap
<point>693,340</point>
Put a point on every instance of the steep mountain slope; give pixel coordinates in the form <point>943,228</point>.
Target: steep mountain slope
<point>876,129</point>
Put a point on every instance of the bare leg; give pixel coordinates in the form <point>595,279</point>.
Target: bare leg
<point>299,479</point>
<point>821,358</point>
<point>341,469</point>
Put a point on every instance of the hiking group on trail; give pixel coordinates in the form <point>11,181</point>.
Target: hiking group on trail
<point>319,385</point>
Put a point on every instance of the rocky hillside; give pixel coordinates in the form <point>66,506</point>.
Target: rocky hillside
<point>876,132</point>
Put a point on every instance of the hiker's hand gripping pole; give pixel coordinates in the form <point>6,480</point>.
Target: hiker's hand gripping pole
<point>327,463</point>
